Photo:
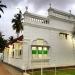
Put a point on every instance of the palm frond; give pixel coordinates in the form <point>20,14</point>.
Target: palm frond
<point>0,15</point>
<point>1,10</point>
<point>14,26</point>
<point>20,12</point>
<point>1,5</point>
<point>13,20</point>
<point>17,22</point>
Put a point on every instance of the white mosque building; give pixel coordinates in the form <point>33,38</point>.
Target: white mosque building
<point>46,41</point>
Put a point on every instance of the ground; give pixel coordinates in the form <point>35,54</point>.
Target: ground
<point>3,70</point>
<point>8,70</point>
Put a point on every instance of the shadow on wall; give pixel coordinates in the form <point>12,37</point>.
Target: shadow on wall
<point>1,56</point>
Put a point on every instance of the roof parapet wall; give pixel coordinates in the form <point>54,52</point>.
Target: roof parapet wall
<point>34,18</point>
<point>61,15</point>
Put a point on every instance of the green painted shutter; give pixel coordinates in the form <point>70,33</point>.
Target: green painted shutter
<point>34,51</point>
<point>45,51</point>
<point>39,51</point>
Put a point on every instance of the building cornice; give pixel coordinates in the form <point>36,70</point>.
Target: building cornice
<point>61,12</point>
<point>59,15</point>
<point>45,27</point>
<point>64,16</point>
<point>62,19</point>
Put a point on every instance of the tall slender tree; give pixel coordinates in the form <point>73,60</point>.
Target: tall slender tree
<point>1,7</point>
<point>17,23</point>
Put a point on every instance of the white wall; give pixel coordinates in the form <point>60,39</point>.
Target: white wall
<point>58,24</point>
<point>59,53</point>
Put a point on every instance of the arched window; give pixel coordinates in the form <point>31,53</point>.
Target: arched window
<point>40,49</point>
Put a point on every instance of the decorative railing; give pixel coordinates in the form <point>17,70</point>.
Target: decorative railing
<point>36,19</point>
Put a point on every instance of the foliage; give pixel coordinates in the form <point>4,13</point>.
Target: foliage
<point>17,23</point>
<point>1,8</point>
<point>10,38</point>
<point>3,43</point>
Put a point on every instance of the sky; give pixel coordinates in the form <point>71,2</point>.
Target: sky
<point>34,6</point>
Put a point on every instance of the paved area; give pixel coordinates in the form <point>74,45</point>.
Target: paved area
<point>3,70</point>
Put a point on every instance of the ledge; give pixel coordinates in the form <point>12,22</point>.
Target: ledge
<point>40,60</point>
<point>38,69</point>
<point>62,19</point>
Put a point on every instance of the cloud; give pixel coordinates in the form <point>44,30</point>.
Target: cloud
<point>35,6</point>
<point>11,3</point>
<point>39,4</point>
<point>9,12</point>
<point>5,23</point>
<point>61,4</point>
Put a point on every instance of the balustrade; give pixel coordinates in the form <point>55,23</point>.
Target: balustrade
<point>36,20</point>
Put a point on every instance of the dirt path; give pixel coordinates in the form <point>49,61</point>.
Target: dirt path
<point>3,70</point>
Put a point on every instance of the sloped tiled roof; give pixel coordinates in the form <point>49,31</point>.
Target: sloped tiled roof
<point>15,40</point>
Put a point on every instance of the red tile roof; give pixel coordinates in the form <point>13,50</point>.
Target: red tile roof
<point>18,39</point>
<point>15,40</point>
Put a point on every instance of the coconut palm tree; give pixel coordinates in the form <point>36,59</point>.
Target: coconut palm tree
<point>1,8</point>
<point>17,23</point>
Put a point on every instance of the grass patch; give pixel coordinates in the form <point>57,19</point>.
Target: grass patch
<point>51,72</point>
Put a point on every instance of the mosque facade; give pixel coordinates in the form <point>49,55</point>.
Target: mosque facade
<point>46,41</point>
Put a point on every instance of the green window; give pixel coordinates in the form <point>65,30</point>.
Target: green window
<point>45,50</point>
<point>40,50</point>
<point>34,50</point>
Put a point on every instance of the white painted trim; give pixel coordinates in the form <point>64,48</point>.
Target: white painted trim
<point>61,19</point>
<point>44,27</point>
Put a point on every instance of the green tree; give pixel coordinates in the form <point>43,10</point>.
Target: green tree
<point>3,43</point>
<point>11,38</point>
<point>1,8</point>
<point>17,23</point>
